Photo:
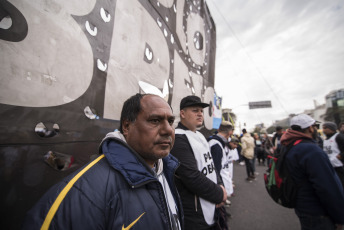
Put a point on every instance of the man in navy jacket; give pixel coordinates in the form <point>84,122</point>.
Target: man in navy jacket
<point>129,185</point>
<point>218,142</point>
<point>320,198</point>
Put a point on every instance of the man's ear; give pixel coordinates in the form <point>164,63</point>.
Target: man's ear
<point>182,113</point>
<point>310,130</point>
<point>125,127</point>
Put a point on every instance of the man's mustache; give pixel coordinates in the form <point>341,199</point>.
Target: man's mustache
<point>165,140</point>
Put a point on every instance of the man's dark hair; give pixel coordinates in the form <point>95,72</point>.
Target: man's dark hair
<point>225,128</point>
<point>244,131</point>
<point>131,108</point>
<point>298,128</point>
<point>278,128</point>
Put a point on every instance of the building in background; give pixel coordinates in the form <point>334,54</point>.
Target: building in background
<point>335,106</point>
<point>332,110</point>
<point>228,115</point>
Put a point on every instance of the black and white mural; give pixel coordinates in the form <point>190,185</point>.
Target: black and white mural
<point>66,68</point>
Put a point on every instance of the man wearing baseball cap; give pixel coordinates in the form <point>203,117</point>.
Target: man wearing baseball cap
<point>196,177</point>
<point>320,197</point>
<point>334,147</point>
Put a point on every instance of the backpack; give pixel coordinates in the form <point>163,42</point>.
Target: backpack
<point>278,181</point>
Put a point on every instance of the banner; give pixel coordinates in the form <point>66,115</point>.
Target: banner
<point>217,111</point>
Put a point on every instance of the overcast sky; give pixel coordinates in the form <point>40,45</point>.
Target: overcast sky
<point>288,51</point>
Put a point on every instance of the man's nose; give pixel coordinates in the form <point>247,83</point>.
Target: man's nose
<point>166,128</point>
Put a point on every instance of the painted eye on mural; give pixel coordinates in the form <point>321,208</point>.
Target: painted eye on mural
<point>101,65</point>
<point>198,40</point>
<point>6,22</point>
<point>105,15</point>
<point>90,113</point>
<point>47,130</point>
<point>151,89</point>
<point>148,56</point>
<point>13,25</point>
<point>92,31</point>
<point>159,22</point>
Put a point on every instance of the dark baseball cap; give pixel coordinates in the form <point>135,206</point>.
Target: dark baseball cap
<point>192,101</point>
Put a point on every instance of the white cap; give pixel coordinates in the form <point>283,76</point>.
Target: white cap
<point>302,120</point>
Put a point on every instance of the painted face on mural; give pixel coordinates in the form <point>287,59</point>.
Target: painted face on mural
<point>73,59</point>
<point>133,41</point>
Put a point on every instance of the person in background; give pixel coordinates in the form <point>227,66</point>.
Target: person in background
<point>130,184</point>
<point>259,151</point>
<point>199,185</point>
<point>320,197</point>
<point>217,144</point>
<point>220,146</point>
<point>227,168</point>
<point>220,152</point>
<point>241,160</point>
<point>276,139</point>
<point>232,156</point>
<point>247,144</point>
<point>268,148</point>
<point>341,127</point>
<point>334,147</point>
<point>318,138</point>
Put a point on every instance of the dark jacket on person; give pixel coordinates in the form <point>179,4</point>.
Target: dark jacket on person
<point>217,151</point>
<point>319,141</point>
<point>118,190</point>
<point>192,184</point>
<point>276,140</point>
<point>320,192</point>
<point>340,142</point>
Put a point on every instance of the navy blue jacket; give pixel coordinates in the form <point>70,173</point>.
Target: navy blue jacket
<point>112,194</point>
<point>217,152</point>
<point>320,192</point>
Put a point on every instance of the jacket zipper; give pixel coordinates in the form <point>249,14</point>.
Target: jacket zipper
<point>143,183</point>
<point>196,203</point>
<point>161,190</point>
<point>166,207</point>
<point>180,205</point>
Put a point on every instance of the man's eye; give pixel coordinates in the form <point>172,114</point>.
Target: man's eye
<point>155,121</point>
<point>171,122</point>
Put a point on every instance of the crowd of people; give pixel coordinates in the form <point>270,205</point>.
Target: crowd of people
<point>314,162</point>
<point>152,175</point>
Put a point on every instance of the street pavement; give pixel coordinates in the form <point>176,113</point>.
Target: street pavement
<point>253,209</point>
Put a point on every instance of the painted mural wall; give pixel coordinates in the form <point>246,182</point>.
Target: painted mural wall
<point>67,66</point>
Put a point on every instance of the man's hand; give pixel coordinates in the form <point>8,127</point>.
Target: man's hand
<point>224,197</point>
<point>224,194</point>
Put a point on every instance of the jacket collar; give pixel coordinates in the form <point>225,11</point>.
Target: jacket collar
<point>220,138</point>
<point>247,135</point>
<point>129,163</point>
<point>292,135</point>
<point>181,126</point>
<point>330,135</point>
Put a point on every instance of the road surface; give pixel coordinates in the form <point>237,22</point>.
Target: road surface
<point>253,209</point>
